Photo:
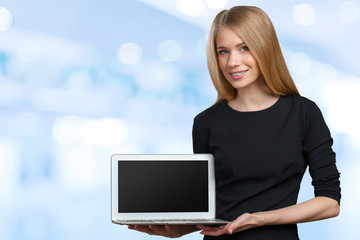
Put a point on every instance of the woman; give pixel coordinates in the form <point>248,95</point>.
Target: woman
<point>263,135</point>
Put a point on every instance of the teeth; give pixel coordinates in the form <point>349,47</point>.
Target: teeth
<point>238,74</point>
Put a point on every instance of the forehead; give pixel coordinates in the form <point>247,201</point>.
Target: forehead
<point>227,37</point>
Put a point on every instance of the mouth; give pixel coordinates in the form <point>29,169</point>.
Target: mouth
<point>238,74</point>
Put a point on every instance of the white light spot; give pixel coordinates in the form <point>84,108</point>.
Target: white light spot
<point>191,8</point>
<point>304,14</point>
<point>6,19</point>
<point>349,12</point>
<point>169,50</point>
<point>129,53</point>
<point>300,63</point>
<point>215,4</point>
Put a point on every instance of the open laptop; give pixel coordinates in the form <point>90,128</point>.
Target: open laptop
<point>163,189</point>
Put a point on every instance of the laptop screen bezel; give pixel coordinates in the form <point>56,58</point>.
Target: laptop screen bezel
<point>116,216</point>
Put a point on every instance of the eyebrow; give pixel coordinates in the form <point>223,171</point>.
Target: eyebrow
<point>238,45</point>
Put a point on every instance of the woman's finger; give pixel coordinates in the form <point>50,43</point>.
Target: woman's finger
<point>144,229</point>
<point>204,227</point>
<point>158,229</point>
<point>210,227</point>
<point>214,231</point>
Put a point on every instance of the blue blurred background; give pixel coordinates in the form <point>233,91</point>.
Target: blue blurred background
<point>82,80</point>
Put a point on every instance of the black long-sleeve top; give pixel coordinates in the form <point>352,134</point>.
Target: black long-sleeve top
<point>261,157</point>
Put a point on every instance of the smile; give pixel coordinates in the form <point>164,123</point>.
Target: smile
<point>238,74</point>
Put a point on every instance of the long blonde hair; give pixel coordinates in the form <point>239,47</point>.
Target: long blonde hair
<point>256,29</point>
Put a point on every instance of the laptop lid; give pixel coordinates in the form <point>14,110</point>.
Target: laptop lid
<point>166,186</point>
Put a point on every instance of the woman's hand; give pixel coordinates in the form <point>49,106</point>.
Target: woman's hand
<point>245,221</point>
<point>170,231</point>
<point>312,210</point>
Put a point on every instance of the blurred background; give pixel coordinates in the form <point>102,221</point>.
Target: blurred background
<point>82,80</point>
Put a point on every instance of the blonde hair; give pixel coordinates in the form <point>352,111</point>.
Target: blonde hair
<point>256,29</point>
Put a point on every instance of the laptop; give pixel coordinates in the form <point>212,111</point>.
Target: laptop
<point>163,189</point>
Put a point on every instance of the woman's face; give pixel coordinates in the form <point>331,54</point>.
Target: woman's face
<point>236,62</point>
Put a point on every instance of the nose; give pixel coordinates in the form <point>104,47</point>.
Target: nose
<point>234,60</point>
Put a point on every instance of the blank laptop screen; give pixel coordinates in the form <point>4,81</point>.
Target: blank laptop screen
<point>163,186</point>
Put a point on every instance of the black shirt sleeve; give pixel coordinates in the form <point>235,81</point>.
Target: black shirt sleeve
<point>317,149</point>
<point>200,144</point>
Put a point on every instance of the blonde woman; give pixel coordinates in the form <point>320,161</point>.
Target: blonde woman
<point>263,135</point>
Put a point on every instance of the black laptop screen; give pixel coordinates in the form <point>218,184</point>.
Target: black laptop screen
<point>163,186</point>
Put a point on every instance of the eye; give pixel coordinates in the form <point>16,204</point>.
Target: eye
<point>222,52</point>
<point>244,49</point>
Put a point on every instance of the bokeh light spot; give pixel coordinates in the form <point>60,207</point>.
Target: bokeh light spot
<point>191,8</point>
<point>129,53</point>
<point>304,14</point>
<point>349,12</point>
<point>6,19</point>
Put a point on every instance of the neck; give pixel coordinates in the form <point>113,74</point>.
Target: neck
<point>254,99</point>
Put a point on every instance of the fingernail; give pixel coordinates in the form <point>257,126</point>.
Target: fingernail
<point>230,231</point>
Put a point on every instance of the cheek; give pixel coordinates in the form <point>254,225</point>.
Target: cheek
<point>222,64</point>
<point>253,63</point>
<point>256,66</point>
